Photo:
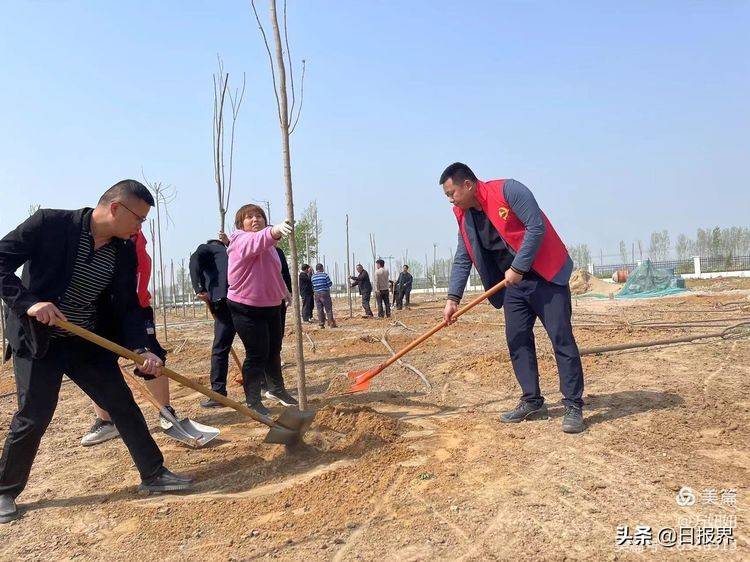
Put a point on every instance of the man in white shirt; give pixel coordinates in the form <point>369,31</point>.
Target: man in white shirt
<point>381,289</point>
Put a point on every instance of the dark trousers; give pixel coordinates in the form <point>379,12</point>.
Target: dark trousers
<point>38,385</point>
<point>366,303</point>
<point>536,298</point>
<point>224,333</point>
<point>383,297</point>
<point>406,295</point>
<point>259,328</point>
<point>324,306</point>
<point>308,303</point>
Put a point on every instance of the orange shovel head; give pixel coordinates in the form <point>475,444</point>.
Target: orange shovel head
<point>362,379</point>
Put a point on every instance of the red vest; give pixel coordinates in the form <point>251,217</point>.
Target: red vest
<point>143,270</point>
<point>552,254</point>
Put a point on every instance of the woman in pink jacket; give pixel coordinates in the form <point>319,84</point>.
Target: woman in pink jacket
<point>256,292</point>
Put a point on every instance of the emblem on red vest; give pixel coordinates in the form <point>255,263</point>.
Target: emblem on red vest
<point>503,212</point>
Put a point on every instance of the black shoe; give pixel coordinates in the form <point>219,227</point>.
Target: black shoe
<point>525,411</point>
<point>573,420</point>
<point>281,396</point>
<point>259,407</point>
<point>8,510</point>
<point>211,403</point>
<point>166,481</point>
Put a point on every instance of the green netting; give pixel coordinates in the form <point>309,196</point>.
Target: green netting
<point>648,281</point>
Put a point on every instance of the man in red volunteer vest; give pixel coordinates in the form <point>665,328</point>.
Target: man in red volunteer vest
<point>504,234</point>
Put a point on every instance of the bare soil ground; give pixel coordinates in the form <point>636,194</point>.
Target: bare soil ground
<point>403,472</point>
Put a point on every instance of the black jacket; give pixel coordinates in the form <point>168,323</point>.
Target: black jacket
<point>405,281</point>
<point>362,281</point>
<point>285,270</point>
<point>305,284</point>
<point>208,270</point>
<point>45,245</point>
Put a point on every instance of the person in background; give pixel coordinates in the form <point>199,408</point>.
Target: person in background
<point>255,296</point>
<point>381,290</point>
<point>208,274</point>
<point>306,292</point>
<point>103,428</point>
<point>322,290</point>
<point>362,282</point>
<point>404,283</point>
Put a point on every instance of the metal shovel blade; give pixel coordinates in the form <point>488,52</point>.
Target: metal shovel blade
<point>187,431</point>
<point>282,436</point>
<point>292,418</point>
<point>290,426</point>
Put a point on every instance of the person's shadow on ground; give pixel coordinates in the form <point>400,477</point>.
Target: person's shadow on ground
<point>615,405</point>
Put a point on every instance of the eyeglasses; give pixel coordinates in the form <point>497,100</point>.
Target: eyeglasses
<point>139,217</point>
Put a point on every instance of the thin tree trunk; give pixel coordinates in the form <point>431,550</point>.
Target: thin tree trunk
<point>192,298</point>
<point>161,268</point>
<point>182,289</point>
<point>171,285</point>
<point>348,271</point>
<point>284,123</point>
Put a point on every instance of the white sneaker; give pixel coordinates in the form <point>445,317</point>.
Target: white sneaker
<point>100,432</point>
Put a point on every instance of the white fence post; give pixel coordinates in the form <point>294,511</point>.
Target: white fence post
<point>697,264</point>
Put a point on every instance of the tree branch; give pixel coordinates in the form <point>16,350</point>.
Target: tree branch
<point>270,59</point>
<point>301,99</point>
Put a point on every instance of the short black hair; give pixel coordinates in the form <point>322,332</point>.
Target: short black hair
<point>380,263</point>
<point>304,267</point>
<point>125,189</point>
<point>319,267</point>
<point>458,172</point>
<point>406,267</point>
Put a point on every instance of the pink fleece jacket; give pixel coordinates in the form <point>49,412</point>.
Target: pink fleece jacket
<point>254,273</point>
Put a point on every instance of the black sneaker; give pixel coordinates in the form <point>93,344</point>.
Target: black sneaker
<point>281,396</point>
<point>8,510</point>
<point>166,481</point>
<point>259,407</point>
<point>525,411</point>
<point>573,420</point>
<point>211,403</point>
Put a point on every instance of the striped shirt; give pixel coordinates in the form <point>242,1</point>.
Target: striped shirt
<point>92,273</point>
<point>321,281</point>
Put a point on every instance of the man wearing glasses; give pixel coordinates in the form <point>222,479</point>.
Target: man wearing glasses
<point>78,266</point>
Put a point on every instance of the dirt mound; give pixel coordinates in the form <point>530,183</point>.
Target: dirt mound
<point>338,385</point>
<point>353,426</point>
<point>582,282</point>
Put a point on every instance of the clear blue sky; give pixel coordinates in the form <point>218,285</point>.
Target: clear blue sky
<point>623,118</point>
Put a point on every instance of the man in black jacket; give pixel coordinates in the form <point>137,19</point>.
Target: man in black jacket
<point>78,266</point>
<point>306,292</point>
<point>362,280</point>
<point>208,274</point>
<point>404,283</point>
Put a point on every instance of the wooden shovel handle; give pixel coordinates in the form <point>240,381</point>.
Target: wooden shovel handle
<point>184,381</point>
<point>142,389</point>
<point>487,294</point>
